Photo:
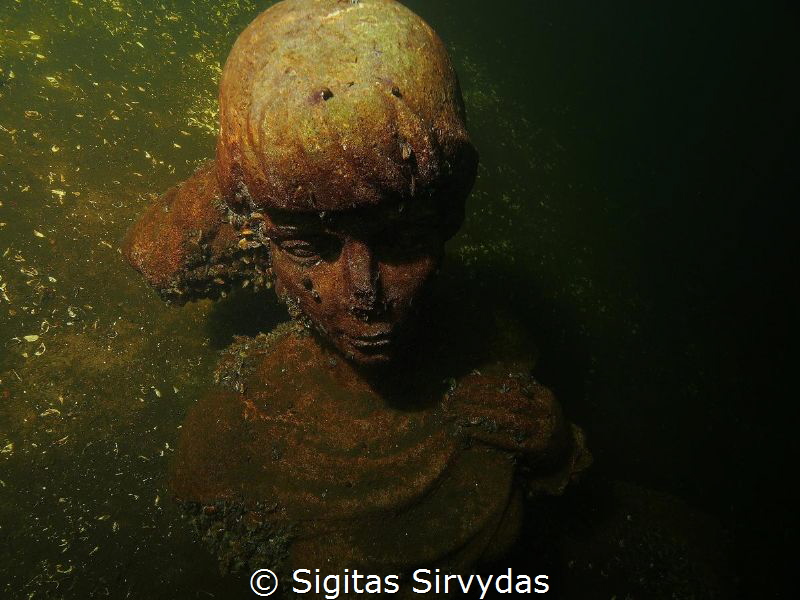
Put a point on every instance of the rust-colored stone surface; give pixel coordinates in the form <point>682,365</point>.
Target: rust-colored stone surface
<point>371,432</point>
<point>328,105</point>
<point>313,449</point>
<point>185,246</point>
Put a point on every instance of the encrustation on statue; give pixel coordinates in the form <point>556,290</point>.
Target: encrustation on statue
<point>366,432</point>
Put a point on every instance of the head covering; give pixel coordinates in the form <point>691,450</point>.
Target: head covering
<point>337,104</point>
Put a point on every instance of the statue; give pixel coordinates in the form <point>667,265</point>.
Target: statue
<point>359,434</point>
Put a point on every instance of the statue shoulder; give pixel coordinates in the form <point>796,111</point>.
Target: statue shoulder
<point>217,456</point>
<point>517,414</point>
<point>239,361</point>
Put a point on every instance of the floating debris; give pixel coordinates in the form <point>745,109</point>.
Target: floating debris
<point>38,234</point>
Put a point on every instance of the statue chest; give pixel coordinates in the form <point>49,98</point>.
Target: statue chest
<point>351,479</point>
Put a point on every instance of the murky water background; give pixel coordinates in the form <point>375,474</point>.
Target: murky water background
<point>631,202</point>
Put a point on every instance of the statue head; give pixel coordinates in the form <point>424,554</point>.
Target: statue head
<point>343,144</point>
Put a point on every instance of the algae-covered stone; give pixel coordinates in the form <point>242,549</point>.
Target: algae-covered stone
<point>323,102</point>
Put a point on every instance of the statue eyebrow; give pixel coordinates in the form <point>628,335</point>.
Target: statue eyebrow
<point>377,221</point>
<point>285,221</point>
<point>288,231</point>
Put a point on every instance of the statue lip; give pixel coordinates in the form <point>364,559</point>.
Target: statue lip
<point>377,339</point>
<point>371,345</point>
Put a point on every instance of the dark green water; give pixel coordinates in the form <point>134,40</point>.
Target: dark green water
<point>635,202</point>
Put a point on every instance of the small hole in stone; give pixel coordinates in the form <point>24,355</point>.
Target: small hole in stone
<point>396,92</point>
<point>326,94</point>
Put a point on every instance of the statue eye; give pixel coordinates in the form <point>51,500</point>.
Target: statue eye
<point>298,248</point>
<point>310,250</point>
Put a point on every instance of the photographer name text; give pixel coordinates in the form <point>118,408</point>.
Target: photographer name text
<point>423,581</point>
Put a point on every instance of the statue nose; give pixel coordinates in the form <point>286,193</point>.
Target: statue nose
<point>361,273</point>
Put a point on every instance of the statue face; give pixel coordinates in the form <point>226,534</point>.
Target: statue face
<point>358,275</point>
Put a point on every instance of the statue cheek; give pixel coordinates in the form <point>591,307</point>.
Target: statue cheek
<point>407,281</point>
<point>291,281</point>
<point>310,290</point>
<point>280,289</point>
<point>318,292</point>
<point>289,289</point>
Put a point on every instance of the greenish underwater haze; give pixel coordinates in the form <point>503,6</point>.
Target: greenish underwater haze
<point>635,203</point>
